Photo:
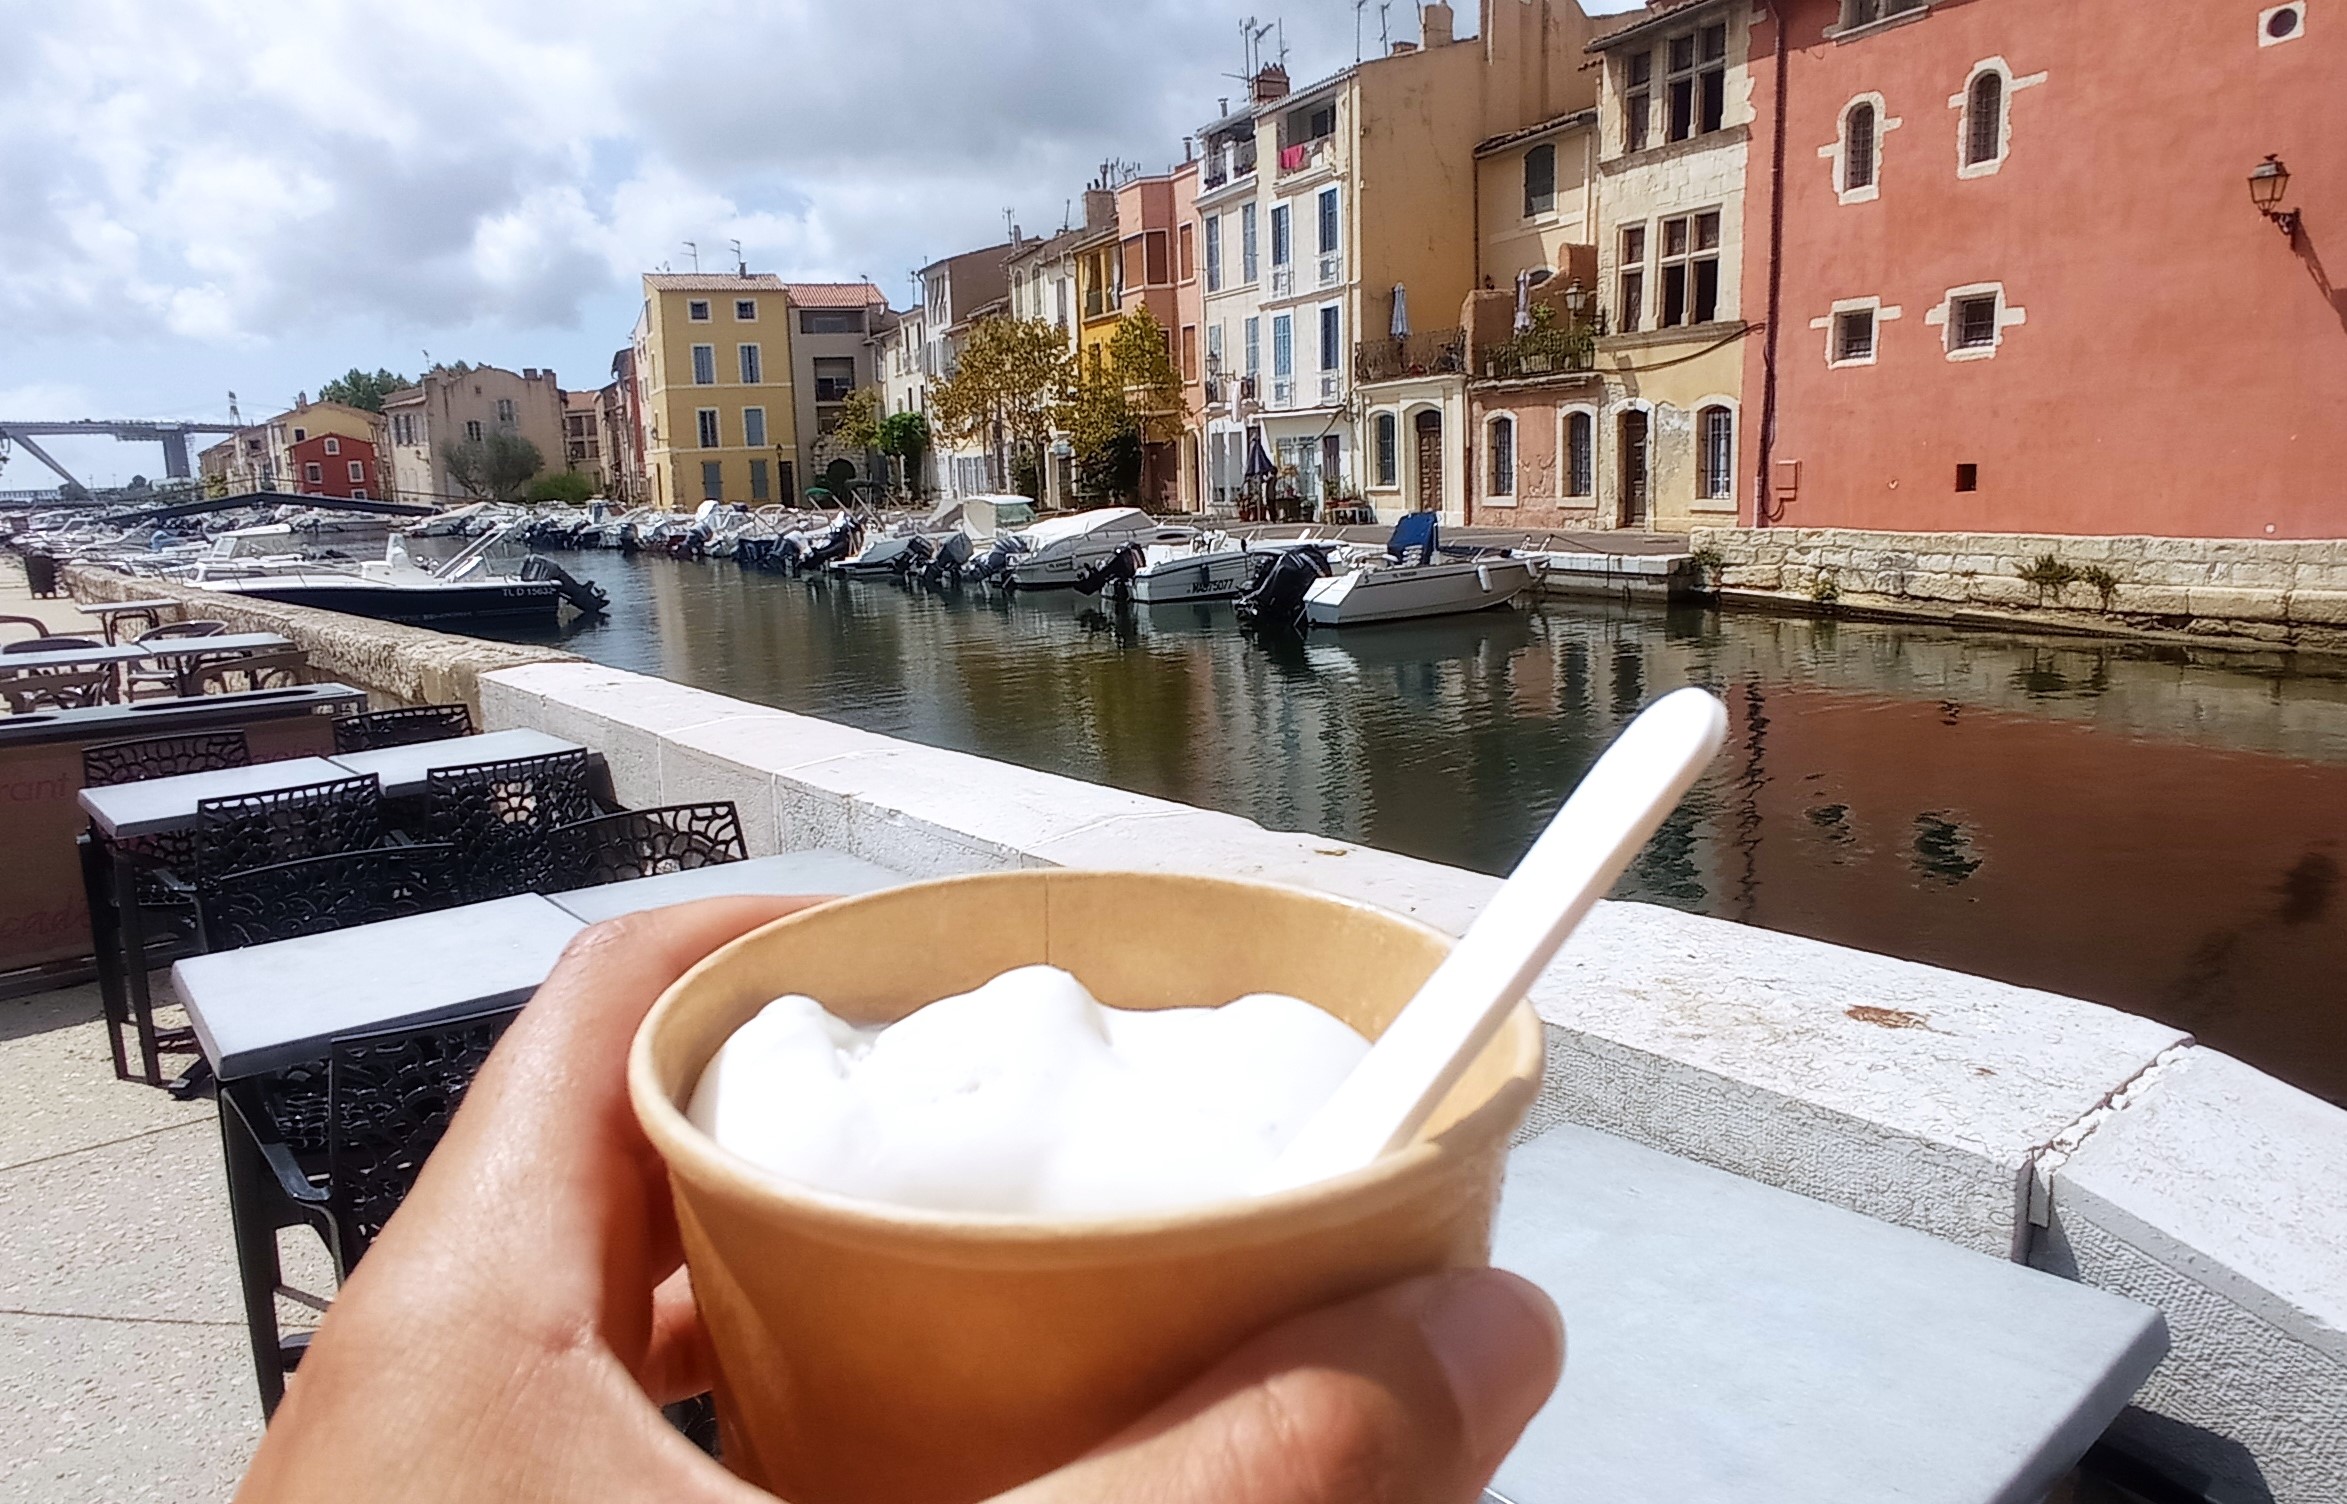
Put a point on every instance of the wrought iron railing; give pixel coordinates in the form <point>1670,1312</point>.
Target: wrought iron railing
<point>1430,352</point>
<point>1552,347</point>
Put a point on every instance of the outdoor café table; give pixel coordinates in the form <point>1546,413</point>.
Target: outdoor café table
<point>189,654</point>
<point>1733,1341</point>
<point>832,873</point>
<point>110,614</point>
<point>72,658</point>
<point>267,1007</point>
<point>155,806</point>
<point>405,770</point>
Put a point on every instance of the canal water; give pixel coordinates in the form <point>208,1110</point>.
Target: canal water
<point>2160,829</point>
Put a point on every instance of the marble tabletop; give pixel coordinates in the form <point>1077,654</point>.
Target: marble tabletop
<point>405,770</point>
<point>791,873</point>
<point>153,805</point>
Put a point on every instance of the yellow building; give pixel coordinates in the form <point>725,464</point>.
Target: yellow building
<point>713,366</point>
<point>1099,285</point>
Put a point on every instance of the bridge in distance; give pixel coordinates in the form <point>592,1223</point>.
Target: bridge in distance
<point>171,433</point>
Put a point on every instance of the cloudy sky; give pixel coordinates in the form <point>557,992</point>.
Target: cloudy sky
<point>206,196</point>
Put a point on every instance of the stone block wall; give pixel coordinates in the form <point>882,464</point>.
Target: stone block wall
<point>2279,592</point>
<point>2025,1125</point>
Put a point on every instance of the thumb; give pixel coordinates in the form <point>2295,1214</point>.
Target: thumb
<point>1414,1392</point>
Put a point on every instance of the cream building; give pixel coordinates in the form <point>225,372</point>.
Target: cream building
<point>713,362</point>
<point>830,323</point>
<point>956,294</point>
<point>1046,287</point>
<point>1674,117</point>
<point>450,406</point>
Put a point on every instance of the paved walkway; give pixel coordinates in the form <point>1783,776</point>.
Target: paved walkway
<point>1615,542</point>
<point>59,611</point>
<point>124,1373</point>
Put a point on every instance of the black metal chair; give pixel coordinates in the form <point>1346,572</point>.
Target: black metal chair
<point>243,831</point>
<point>106,763</point>
<point>336,1146</point>
<point>646,842</point>
<point>403,727</point>
<point>500,818</point>
<point>310,895</point>
<point>50,645</point>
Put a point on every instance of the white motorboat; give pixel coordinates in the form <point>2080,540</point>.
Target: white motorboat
<point>1053,554</point>
<point>466,588</point>
<point>1205,566</point>
<point>1414,578</point>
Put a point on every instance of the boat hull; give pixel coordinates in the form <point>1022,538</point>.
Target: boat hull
<point>1205,577</point>
<point>1411,592</point>
<point>519,602</point>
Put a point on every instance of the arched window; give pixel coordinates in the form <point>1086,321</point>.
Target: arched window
<point>1540,180</point>
<point>1858,132</point>
<point>1500,440</point>
<point>1715,431</point>
<point>1580,454</point>
<point>1984,119</point>
<point>1388,450</point>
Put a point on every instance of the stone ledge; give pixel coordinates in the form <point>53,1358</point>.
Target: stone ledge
<point>410,665</point>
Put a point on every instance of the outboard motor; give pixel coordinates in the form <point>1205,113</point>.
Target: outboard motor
<point>948,562</point>
<point>999,558</point>
<point>1114,573</point>
<point>844,539</point>
<point>1276,603</point>
<point>917,552</point>
<point>584,595</point>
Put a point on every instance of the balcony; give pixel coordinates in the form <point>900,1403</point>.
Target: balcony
<point>1431,352</point>
<point>1303,156</point>
<point>1330,386</point>
<point>831,389</point>
<point>1283,281</point>
<point>1283,392</point>
<point>1332,268</point>
<point>1555,345</point>
<point>1233,162</point>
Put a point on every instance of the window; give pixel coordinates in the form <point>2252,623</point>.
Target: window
<point>698,310</point>
<point>1858,138</point>
<point>759,489</point>
<point>1972,322</point>
<point>1157,252</point>
<point>403,428</point>
<point>1580,454</point>
<point>358,472</point>
<point>314,474</point>
<point>1283,347</point>
<point>473,429</point>
<point>831,321</point>
<point>1867,12</point>
<point>1638,102</point>
<point>1389,445</point>
<point>753,369</point>
<point>1967,477</point>
<point>1254,343</point>
<point>1696,85</point>
<point>358,494</point>
<point>835,377</point>
<point>786,479</point>
<point>1246,242</point>
<point>704,365</point>
<point>1329,238</point>
<point>1500,444</point>
<point>1854,335</point>
<point>1631,307</point>
<point>1984,119</point>
<point>1540,181</point>
<point>1331,346</point>
<point>712,481</point>
<point>1690,269</point>
<point>333,445</point>
<point>505,412</point>
<point>1715,432</point>
<point>1059,299</point>
<point>754,427</point>
<point>1213,253</point>
<point>301,435</point>
<point>1189,352</point>
<point>708,425</point>
<point>1282,247</point>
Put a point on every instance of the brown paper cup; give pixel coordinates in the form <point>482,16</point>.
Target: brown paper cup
<point>873,1354</point>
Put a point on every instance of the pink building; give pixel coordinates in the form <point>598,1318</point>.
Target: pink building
<point>1146,219</point>
<point>2020,283</point>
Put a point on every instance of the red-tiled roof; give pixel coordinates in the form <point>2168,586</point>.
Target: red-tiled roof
<point>711,282</point>
<point>833,294</point>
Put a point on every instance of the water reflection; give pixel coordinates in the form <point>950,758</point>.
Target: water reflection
<point>2154,828</point>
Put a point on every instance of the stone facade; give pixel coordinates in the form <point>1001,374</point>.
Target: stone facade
<point>2277,592</point>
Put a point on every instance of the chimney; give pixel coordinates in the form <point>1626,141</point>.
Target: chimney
<point>1099,208</point>
<point>1222,107</point>
<point>1271,83</point>
<point>1189,152</point>
<point>1402,47</point>
<point>1434,24</point>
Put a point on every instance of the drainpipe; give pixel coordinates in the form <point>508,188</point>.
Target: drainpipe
<point>1776,279</point>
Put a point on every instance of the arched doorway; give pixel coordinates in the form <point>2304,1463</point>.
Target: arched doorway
<point>1426,429</point>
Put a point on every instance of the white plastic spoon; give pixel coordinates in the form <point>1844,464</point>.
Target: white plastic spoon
<point>1576,861</point>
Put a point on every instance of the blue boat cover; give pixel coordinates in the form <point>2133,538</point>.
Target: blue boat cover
<point>1416,531</point>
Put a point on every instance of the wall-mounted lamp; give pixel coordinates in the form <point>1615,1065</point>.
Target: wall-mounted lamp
<point>2269,184</point>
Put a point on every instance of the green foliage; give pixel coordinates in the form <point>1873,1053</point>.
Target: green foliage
<point>2101,581</point>
<point>904,436</point>
<point>494,467</point>
<point>858,424</point>
<point>2049,576</point>
<point>364,389</point>
<point>1027,476</point>
<point>1707,564</point>
<point>1140,358</point>
<point>1826,588</point>
<point>566,489</point>
<point>1011,377</point>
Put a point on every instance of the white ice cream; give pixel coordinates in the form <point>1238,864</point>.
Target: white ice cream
<point>1026,1096</point>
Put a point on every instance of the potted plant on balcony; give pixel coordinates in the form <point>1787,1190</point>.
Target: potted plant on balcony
<point>1551,344</point>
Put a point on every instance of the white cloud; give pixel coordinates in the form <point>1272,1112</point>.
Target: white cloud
<point>198,194</point>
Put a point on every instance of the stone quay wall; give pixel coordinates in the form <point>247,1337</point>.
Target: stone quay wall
<point>2097,1145</point>
<point>394,664</point>
<point>2272,592</point>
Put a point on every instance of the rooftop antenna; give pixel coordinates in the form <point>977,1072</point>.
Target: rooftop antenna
<point>696,250</point>
<point>738,262</point>
<point>1358,7</point>
<point>1385,41</point>
<point>1282,24</point>
<point>1009,228</point>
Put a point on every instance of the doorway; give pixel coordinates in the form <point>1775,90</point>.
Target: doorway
<point>1635,501</point>
<point>1427,427</point>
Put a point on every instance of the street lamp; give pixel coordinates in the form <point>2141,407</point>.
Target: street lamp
<point>2269,184</point>
<point>1576,300</point>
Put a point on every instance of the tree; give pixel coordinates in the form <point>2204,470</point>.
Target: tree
<point>1011,381</point>
<point>1121,402</point>
<point>357,388</point>
<point>904,437</point>
<point>494,467</point>
<point>858,424</point>
<point>567,488</point>
<point>1141,358</point>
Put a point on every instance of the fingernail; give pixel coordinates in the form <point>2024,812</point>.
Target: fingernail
<point>1501,1345</point>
